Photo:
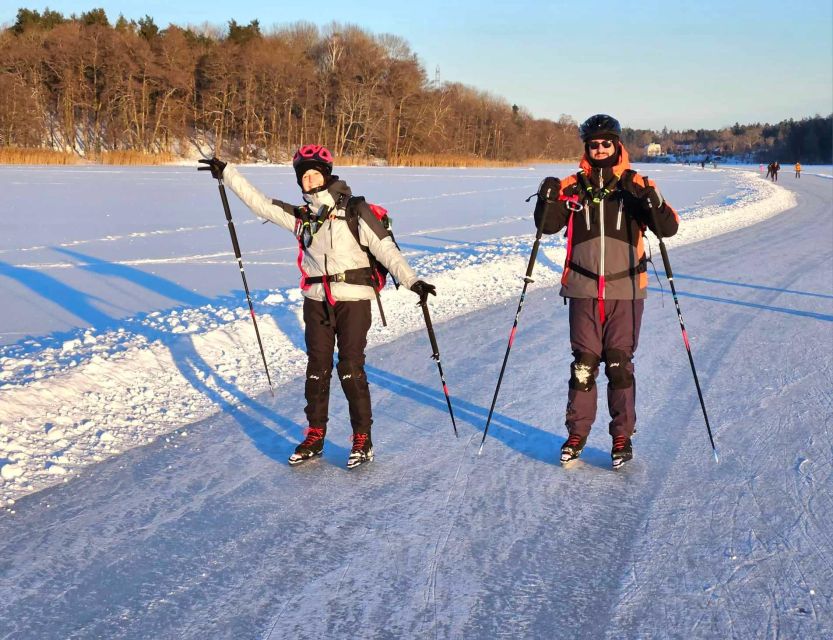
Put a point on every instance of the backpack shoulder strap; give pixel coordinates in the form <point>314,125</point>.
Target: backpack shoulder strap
<point>358,209</point>
<point>351,215</point>
<point>628,175</point>
<point>301,213</point>
<point>583,186</point>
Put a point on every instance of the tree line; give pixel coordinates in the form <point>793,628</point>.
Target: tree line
<point>82,85</point>
<point>809,140</point>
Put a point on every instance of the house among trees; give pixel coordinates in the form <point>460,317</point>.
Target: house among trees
<point>653,150</point>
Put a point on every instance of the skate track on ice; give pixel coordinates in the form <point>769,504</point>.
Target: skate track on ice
<point>214,536</point>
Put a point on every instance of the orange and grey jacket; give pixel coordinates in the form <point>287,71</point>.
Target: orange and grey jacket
<point>605,228</point>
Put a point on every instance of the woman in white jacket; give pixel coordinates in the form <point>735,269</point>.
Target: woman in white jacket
<point>337,284</point>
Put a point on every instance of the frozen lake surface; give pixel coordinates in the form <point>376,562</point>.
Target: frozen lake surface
<point>142,459</point>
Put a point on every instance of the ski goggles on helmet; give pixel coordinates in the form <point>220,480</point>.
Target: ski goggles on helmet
<point>313,152</point>
<point>312,156</point>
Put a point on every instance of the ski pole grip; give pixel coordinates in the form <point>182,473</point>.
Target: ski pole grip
<point>224,198</point>
<point>547,196</point>
<point>231,229</point>
<point>665,261</point>
<point>431,337</point>
<point>533,256</point>
<point>234,242</point>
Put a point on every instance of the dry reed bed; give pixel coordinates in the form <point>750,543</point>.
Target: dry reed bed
<point>10,155</point>
<point>14,155</point>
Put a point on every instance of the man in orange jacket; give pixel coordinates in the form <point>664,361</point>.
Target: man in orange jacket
<point>606,208</point>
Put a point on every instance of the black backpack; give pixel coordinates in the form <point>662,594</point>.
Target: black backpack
<point>352,219</point>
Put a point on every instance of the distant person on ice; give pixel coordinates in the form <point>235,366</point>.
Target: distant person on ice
<point>776,167</point>
<point>605,208</point>
<point>798,170</point>
<point>336,284</point>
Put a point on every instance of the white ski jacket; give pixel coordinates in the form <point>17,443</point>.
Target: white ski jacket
<point>333,249</point>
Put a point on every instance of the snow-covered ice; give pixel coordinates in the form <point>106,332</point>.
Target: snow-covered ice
<point>147,373</point>
<point>126,330</point>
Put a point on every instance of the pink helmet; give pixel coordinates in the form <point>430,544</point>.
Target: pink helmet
<point>312,156</point>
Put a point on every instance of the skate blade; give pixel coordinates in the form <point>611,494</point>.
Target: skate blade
<point>567,458</point>
<point>352,464</point>
<point>293,461</point>
<point>618,463</point>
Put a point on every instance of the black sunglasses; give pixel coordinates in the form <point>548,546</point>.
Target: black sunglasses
<point>606,144</point>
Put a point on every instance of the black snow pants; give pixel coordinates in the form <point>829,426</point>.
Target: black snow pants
<point>613,343</point>
<point>347,323</point>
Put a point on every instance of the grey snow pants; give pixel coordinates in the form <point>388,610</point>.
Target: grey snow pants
<point>613,343</point>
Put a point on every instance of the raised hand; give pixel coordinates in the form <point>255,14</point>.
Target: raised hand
<point>214,165</point>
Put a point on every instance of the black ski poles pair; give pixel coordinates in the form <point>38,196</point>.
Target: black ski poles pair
<point>239,257</point>
<point>431,336</point>
<point>546,190</point>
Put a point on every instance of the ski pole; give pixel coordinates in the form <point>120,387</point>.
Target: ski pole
<point>436,356</point>
<point>527,280</point>
<point>239,257</point>
<point>670,275</point>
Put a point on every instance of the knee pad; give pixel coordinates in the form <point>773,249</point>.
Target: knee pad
<point>583,371</point>
<point>350,370</point>
<point>315,373</point>
<point>618,370</point>
<point>318,380</point>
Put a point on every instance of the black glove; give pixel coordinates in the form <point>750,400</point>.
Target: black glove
<point>215,166</point>
<point>644,193</point>
<point>423,289</point>
<point>545,205</point>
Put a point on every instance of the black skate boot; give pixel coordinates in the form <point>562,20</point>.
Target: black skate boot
<point>310,448</point>
<point>572,448</point>
<point>622,451</point>
<point>362,450</point>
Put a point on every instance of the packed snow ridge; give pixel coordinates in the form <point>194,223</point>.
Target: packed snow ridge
<point>76,399</point>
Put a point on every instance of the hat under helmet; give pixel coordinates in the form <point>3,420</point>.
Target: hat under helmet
<point>312,156</point>
<point>600,126</point>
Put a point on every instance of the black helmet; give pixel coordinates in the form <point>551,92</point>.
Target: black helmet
<point>600,126</point>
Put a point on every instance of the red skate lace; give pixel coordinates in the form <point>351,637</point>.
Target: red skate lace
<point>313,435</point>
<point>359,440</point>
<point>619,442</point>
<point>573,440</point>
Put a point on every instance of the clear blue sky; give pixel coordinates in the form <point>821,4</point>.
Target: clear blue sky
<point>651,63</point>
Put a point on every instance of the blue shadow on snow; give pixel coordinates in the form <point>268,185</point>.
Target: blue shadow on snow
<point>754,305</point>
<point>531,441</point>
<point>678,276</point>
<point>70,299</point>
<point>143,279</point>
<point>189,363</point>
